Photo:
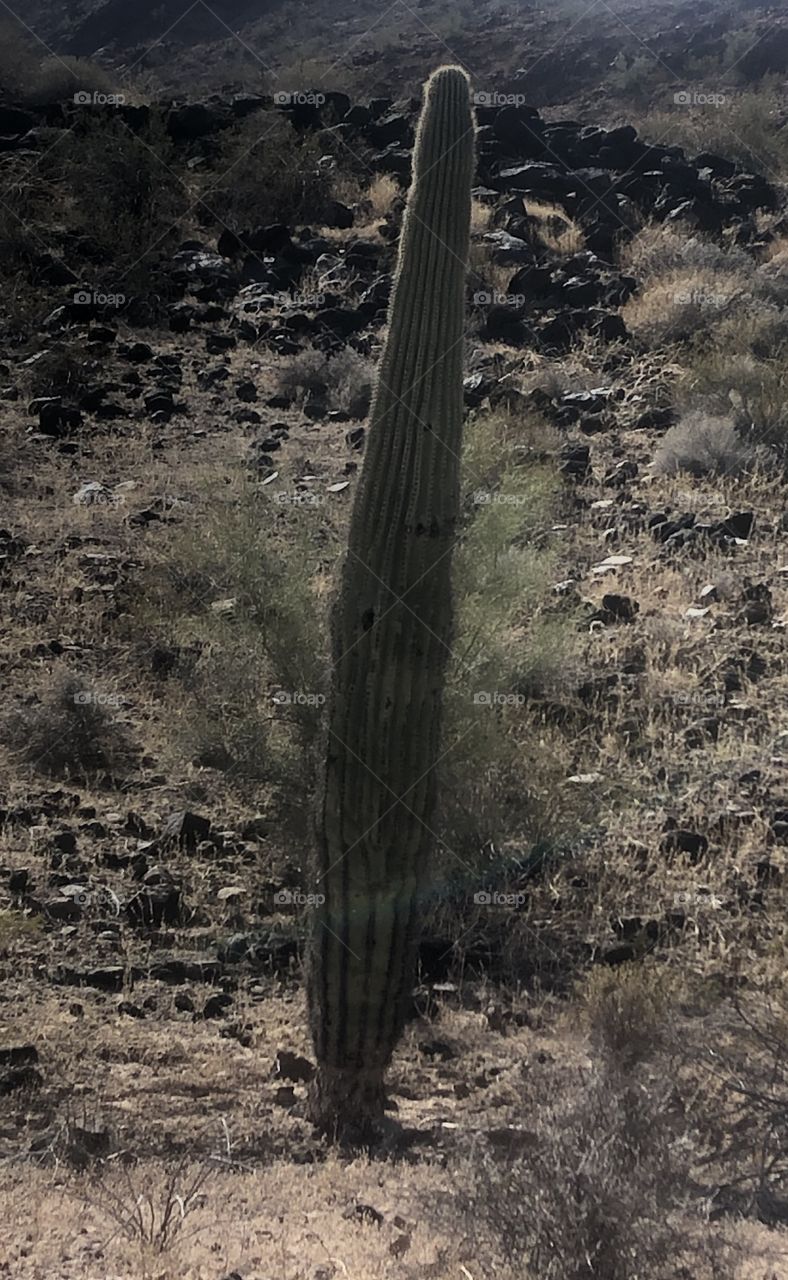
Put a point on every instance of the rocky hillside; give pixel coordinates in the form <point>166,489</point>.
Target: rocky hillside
<point>594,1082</point>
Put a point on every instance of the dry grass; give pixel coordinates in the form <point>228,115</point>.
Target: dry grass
<point>747,127</point>
<point>72,728</point>
<point>555,229</point>
<point>342,380</point>
<point>32,78</point>
<point>703,445</point>
<point>677,306</point>
<point>381,194</point>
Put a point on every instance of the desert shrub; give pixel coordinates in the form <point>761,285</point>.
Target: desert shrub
<point>683,303</point>
<point>743,371</point>
<point>26,207</point>
<point>126,196</point>
<point>70,729</point>
<point>601,1191</point>
<point>269,173</point>
<point>625,1012</point>
<point>241,593</point>
<point>701,445</point>
<point>635,78</point>
<point>16,927</point>
<point>772,275</point>
<point>748,127</point>
<point>244,591</point>
<point>602,1184</point>
<point>659,249</point>
<point>61,371</point>
<point>508,650</point>
<point>60,78</point>
<point>30,79</point>
<point>343,378</point>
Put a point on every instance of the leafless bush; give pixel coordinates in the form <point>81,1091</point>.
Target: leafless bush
<point>702,444</point>
<point>70,729</point>
<point>604,1190</point>
<point>343,379</point>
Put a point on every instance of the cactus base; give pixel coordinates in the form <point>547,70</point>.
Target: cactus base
<point>346,1104</point>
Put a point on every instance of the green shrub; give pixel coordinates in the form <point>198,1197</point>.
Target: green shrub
<point>743,370</point>
<point>241,595</point>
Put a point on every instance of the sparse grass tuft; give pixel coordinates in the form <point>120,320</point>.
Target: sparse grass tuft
<point>343,379</point>
<point>69,730</point>
<point>702,445</point>
<point>555,229</point>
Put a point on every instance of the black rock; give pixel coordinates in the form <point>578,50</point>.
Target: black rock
<point>341,321</point>
<point>186,829</point>
<point>155,905</point>
<point>703,731</point>
<point>738,525</point>
<point>618,608</point>
<point>290,1066</point>
<point>622,474</point>
<point>192,121</point>
<point>15,120</point>
<point>622,954</point>
<point>54,418</point>
<point>576,461</point>
<point>393,127</point>
<point>355,438</point>
<point>18,882</point>
<point>681,840</point>
<point>137,352</point>
<point>337,215</point>
<point>216,1005</point>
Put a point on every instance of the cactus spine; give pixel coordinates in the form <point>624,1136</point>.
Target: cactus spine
<point>391,637</point>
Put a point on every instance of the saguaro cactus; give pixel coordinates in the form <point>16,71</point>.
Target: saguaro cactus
<point>391,637</point>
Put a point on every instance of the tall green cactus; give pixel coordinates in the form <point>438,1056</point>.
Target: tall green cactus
<point>391,636</point>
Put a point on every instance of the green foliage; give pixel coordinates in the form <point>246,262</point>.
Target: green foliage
<point>508,651</point>
<point>239,595</point>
